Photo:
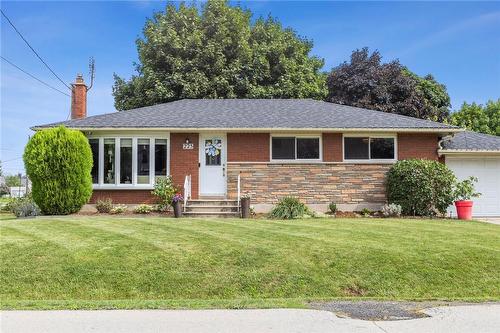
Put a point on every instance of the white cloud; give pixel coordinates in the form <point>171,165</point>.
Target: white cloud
<point>451,31</point>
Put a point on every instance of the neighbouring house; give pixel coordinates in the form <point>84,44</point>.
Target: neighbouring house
<point>17,191</point>
<point>320,152</point>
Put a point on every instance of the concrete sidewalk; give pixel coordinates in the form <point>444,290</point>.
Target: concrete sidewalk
<point>469,318</point>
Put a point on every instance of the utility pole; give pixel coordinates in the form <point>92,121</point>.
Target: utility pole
<point>20,184</point>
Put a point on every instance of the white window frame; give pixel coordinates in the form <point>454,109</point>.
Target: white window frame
<point>369,159</point>
<point>297,136</point>
<point>117,186</point>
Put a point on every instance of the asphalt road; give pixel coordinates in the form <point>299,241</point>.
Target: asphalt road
<point>482,318</point>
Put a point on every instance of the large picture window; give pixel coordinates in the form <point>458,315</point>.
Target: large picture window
<point>160,157</point>
<point>94,146</point>
<point>128,161</point>
<point>109,161</point>
<point>369,148</point>
<point>143,161</point>
<point>295,148</point>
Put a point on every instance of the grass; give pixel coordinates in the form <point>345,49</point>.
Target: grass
<point>145,262</point>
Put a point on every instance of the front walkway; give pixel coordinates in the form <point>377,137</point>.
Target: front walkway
<point>468,318</point>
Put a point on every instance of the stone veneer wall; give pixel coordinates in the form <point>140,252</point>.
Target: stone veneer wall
<point>353,185</point>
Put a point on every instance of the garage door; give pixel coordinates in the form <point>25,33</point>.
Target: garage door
<point>487,170</point>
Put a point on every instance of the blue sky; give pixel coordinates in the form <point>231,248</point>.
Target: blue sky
<point>458,42</point>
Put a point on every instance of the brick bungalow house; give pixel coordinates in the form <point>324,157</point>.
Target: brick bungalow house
<point>320,152</point>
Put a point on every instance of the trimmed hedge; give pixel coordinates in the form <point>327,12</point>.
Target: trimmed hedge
<point>59,162</point>
<point>420,187</point>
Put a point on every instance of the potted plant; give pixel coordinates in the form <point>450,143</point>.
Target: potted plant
<point>463,192</point>
<point>176,203</point>
<point>245,206</point>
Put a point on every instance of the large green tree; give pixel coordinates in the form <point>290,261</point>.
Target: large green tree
<point>367,82</point>
<point>479,118</point>
<point>217,52</point>
<point>492,109</point>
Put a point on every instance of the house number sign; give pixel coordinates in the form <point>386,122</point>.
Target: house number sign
<point>187,146</point>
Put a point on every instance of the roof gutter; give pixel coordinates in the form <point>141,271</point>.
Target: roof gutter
<point>270,129</point>
<point>467,152</point>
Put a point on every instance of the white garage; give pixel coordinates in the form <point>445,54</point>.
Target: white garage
<point>473,154</point>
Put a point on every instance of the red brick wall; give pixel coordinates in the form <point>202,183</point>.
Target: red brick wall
<point>123,196</point>
<point>254,147</point>
<point>415,145</point>
<point>184,162</point>
<point>248,147</point>
<point>332,147</point>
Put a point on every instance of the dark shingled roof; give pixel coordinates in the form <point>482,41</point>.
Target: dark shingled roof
<point>251,113</point>
<point>472,141</point>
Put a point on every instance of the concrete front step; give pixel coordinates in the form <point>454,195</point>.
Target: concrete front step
<point>212,202</point>
<point>212,208</point>
<point>212,214</point>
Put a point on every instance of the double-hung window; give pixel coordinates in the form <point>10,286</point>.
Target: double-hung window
<point>128,161</point>
<point>367,148</point>
<point>296,148</point>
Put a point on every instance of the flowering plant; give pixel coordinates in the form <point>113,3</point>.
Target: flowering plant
<point>177,197</point>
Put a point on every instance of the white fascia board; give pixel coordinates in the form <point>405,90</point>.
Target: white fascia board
<point>270,129</point>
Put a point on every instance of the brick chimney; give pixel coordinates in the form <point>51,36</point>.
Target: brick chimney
<point>78,98</point>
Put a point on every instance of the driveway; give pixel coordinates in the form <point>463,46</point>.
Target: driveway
<point>493,220</point>
<point>468,318</point>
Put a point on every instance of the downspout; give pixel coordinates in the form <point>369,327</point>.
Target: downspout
<point>444,139</point>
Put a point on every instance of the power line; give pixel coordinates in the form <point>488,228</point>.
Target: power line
<point>42,82</point>
<point>32,49</point>
<point>12,159</point>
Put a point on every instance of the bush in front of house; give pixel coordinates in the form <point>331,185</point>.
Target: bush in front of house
<point>391,210</point>
<point>24,207</point>
<point>118,209</point>
<point>143,209</point>
<point>59,161</point>
<point>290,208</point>
<point>420,187</point>
<point>164,191</point>
<point>365,212</point>
<point>104,205</point>
<point>332,207</point>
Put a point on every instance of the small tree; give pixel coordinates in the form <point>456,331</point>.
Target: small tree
<point>420,187</point>
<point>465,189</point>
<point>58,162</point>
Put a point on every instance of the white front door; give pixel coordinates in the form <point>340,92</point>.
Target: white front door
<point>213,164</point>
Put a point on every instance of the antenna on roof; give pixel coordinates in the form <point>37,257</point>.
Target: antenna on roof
<point>91,72</point>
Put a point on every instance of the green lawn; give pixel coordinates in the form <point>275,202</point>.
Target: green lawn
<point>128,262</point>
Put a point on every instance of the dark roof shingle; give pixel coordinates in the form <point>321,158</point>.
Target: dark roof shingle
<point>251,114</point>
<point>472,141</point>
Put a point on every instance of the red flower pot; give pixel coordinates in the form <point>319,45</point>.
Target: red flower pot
<point>464,209</point>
